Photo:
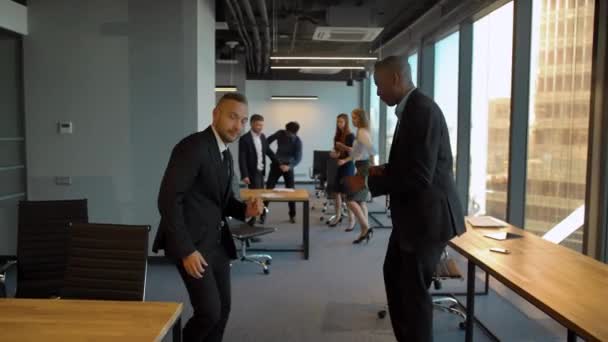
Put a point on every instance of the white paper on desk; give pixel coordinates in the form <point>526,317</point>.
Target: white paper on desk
<point>497,235</point>
<point>283,190</point>
<point>486,221</point>
<point>270,195</point>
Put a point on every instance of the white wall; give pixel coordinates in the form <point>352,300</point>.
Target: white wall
<point>126,74</point>
<point>13,16</point>
<point>205,42</point>
<point>317,119</point>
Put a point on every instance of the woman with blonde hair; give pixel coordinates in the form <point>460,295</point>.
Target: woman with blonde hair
<point>361,153</point>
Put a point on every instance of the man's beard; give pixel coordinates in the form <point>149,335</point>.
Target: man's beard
<point>227,139</point>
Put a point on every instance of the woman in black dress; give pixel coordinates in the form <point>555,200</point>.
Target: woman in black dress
<point>342,137</point>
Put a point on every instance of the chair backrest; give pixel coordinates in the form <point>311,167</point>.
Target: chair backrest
<point>42,245</point>
<point>106,261</point>
<point>319,163</point>
<point>331,168</point>
<point>447,268</point>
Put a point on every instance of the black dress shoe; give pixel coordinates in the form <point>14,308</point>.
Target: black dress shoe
<point>292,219</point>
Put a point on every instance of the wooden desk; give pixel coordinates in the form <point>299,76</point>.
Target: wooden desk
<point>298,195</point>
<point>570,287</point>
<point>65,320</point>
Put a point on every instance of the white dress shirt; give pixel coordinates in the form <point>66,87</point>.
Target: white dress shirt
<point>257,141</point>
<point>220,143</point>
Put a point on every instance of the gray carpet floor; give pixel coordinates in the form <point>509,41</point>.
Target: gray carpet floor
<point>335,296</point>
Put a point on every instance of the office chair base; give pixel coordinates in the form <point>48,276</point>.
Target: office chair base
<point>263,260</point>
<point>452,306</point>
<point>445,304</point>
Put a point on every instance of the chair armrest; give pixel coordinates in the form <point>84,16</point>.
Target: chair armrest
<point>7,265</point>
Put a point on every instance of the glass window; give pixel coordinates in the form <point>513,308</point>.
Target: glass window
<point>491,113</point>
<point>446,83</point>
<point>559,117</point>
<point>391,124</point>
<point>374,117</point>
<point>413,61</point>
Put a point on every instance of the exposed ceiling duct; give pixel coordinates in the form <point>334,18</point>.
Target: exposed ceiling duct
<point>297,28</point>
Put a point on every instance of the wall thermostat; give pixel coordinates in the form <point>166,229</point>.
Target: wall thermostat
<point>65,127</point>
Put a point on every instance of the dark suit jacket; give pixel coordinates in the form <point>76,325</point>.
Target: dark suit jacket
<point>425,207</point>
<point>194,199</point>
<point>248,157</point>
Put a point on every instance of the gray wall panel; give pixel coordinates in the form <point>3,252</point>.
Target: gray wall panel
<point>12,182</point>
<point>12,153</point>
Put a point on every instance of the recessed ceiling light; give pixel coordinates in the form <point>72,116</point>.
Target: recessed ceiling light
<point>280,97</point>
<point>226,88</point>
<point>302,58</point>
<point>284,67</point>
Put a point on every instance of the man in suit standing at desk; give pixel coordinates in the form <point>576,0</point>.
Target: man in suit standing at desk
<point>195,198</point>
<point>253,149</point>
<point>426,211</point>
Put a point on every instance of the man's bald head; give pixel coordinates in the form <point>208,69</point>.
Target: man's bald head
<point>393,77</point>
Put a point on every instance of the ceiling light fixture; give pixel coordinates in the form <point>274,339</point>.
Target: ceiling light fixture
<point>302,58</point>
<point>226,88</point>
<point>305,98</point>
<point>281,67</point>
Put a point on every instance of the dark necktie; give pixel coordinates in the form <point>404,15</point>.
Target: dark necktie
<point>395,139</point>
<point>226,161</point>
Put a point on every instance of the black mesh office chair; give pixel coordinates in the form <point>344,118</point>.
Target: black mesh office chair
<point>42,245</point>
<point>446,269</point>
<point>106,261</point>
<point>244,233</point>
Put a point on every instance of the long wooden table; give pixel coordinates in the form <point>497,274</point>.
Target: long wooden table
<point>64,320</point>
<point>568,286</point>
<point>298,195</point>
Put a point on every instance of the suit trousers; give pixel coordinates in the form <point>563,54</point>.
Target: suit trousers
<point>288,177</point>
<point>210,298</point>
<point>256,180</point>
<point>407,278</point>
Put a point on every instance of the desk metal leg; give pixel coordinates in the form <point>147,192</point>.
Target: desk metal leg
<point>177,330</point>
<point>571,336</point>
<point>470,301</point>
<point>306,223</point>
<point>487,285</point>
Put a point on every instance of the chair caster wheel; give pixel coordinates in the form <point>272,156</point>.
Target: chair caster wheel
<point>268,262</point>
<point>266,271</point>
<point>462,325</point>
<point>381,314</point>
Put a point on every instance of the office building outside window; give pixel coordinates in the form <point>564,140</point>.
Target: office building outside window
<point>446,83</point>
<point>491,113</point>
<point>413,61</point>
<point>562,41</point>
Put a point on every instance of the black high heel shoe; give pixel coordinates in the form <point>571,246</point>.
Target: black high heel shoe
<point>368,235</point>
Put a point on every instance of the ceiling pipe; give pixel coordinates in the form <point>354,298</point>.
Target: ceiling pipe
<point>240,32</point>
<point>257,42</point>
<point>267,41</point>
<point>235,10</point>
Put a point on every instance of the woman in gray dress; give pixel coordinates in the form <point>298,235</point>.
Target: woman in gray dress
<point>361,153</point>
